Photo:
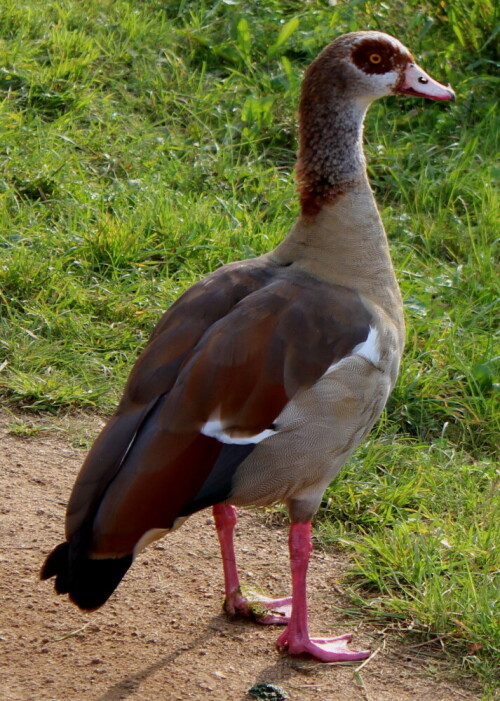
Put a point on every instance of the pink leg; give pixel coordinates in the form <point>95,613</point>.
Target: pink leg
<point>260,608</point>
<point>296,636</point>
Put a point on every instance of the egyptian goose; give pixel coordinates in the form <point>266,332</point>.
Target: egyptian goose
<point>260,381</point>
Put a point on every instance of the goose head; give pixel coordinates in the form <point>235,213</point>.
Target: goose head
<point>363,66</point>
<point>337,89</point>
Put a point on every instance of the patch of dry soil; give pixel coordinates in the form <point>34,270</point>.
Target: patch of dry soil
<point>163,635</point>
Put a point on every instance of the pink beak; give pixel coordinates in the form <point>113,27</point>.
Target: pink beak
<point>418,83</point>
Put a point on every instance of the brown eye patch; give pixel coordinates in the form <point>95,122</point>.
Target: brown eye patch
<point>375,56</point>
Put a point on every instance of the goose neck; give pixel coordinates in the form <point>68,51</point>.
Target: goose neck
<point>330,160</point>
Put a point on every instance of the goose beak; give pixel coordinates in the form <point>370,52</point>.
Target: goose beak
<point>418,83</point>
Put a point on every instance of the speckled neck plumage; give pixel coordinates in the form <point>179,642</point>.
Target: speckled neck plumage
<point>331,160</point>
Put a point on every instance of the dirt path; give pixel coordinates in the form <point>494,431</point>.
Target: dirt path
<point>163,636</point>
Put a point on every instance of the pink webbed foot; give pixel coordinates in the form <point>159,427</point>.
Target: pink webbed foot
<point>268,611</point>
<point>323,649</point>
<point>296,638</point>
<point>235,604</point>
<point>260,609</point>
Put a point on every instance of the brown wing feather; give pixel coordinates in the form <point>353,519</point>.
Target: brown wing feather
<point>274,342</point>
<point>151,490</point>
<point>155,372</point>
<point>182,326</point>
<point>235,356</point>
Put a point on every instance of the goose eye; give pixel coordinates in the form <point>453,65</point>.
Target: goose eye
<point>375,58</point>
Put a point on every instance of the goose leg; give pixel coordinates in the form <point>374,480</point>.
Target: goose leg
<point>296,636</point>
<point>260,608</point>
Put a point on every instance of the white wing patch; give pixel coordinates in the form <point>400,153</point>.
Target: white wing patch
<point>149,537</point>
<point>157,533</point>
<point>214,429</point>
<point>369,349</point>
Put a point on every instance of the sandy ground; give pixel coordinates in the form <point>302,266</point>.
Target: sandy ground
<point>163,634</point>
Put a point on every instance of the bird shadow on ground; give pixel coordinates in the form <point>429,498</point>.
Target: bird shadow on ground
<point>130,684</point>
<point>276,673</point>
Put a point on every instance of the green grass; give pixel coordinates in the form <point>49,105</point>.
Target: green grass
<point>423,520</point>
<point>145,144</point>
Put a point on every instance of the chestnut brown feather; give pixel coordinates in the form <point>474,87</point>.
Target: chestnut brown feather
<point>241,365</point>
<point>164,472</point>
<point>391,57</point>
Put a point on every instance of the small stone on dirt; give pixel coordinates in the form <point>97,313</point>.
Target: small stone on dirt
<point>267,692</point>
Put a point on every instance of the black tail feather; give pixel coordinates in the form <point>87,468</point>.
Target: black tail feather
<point>89,582</point>
<point>56,564</point>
